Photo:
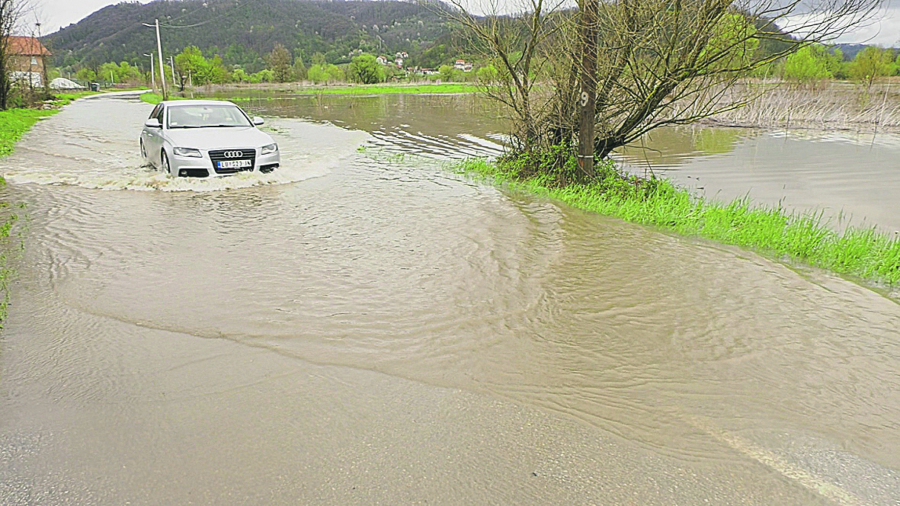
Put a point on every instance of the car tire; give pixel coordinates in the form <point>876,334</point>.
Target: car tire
<point>144,157</point>
<point>164,162</point>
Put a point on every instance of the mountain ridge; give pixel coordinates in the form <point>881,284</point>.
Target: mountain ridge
<point>244,31</point>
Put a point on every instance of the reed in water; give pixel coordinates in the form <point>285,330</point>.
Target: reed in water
<point>828,105</point>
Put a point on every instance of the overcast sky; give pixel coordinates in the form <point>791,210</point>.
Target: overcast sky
<point>55,14</point>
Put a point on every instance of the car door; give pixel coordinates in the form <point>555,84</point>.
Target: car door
<point>153,136</point>
<point>147,135</point>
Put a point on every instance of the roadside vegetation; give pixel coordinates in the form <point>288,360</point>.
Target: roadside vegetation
<point>772,231</point>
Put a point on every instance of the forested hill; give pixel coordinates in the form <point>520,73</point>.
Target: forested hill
<point>244,31</point>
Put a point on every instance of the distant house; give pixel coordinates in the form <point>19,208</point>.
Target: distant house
<point>27,61</point>
<point>382,60</point>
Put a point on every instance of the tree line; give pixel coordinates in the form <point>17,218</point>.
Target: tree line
<point>194,67</point>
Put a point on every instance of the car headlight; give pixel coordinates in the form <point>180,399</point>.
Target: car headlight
<point>267,150</point>
<point>188,152</point>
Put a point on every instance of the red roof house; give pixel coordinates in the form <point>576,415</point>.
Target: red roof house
<point>27,60</point>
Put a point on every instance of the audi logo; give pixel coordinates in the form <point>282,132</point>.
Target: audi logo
<point>234,154</point>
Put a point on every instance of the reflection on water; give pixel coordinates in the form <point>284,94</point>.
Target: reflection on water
<point>171,336</point>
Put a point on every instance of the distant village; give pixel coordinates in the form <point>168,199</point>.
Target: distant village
<point>402,56</point>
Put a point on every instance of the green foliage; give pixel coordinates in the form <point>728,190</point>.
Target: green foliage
<point>317,74</point>
<point>809,63</point>
<point>871,63</point>
<point>334,73</point>
<point>865,253</point>
<point>446,72</point>
<point>487,75</point>
<point>201,70</point>
<point>326,73</point>
<point>733,43</point>
<point>280,64</point>
<point>216,73</point>
<point>192,62</point>
<point>365,69</point>
<point>239,76</point>
<point>837,67</point>
<point>86,74</point>
<point>263,76</point>
<point>119,73</point>
<point>299,69</point>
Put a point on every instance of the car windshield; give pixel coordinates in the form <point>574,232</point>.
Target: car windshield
<point>207,116</point>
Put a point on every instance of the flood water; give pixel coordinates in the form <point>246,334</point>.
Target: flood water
<point>366,327</point>
<point>851,177</point>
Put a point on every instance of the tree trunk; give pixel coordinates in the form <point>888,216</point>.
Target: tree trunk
<point>588,95</point>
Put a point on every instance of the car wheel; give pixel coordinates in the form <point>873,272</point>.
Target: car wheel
<point>164,161</point>
<point>144,154</point>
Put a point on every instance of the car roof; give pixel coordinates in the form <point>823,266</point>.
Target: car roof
<point>197,102</point>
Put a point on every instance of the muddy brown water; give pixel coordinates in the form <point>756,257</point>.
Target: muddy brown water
<point>366,327</point>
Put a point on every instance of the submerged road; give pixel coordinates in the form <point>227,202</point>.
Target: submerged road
<point>364,328</point>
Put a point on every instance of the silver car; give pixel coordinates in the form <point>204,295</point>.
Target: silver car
<point>203,138</point>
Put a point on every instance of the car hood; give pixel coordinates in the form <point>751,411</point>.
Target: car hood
<point>218,138</point>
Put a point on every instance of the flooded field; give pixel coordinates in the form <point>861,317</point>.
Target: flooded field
<point>851,177</point>
<point>365,327</point>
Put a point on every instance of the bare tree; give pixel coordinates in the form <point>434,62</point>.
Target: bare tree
<point>11,12</point>
<point>512,44</point>
<point>636,65</point>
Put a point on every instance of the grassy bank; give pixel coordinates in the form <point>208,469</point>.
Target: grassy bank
<point>14,123</point>
<point>772,231</point>
<point>9,219</point>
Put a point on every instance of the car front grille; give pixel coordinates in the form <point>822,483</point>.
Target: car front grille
<point>218,155</point>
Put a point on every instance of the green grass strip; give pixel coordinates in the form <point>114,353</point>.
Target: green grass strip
<point>381,89</point>
<point>68,98</point>
<point>14,123</point>
<point>155,98</point>
<point>773,231</point>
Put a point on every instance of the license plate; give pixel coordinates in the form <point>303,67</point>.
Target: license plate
<point>233,164</point>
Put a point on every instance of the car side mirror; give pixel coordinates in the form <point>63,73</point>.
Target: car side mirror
<point>152,123</point>
<point>258,121</point>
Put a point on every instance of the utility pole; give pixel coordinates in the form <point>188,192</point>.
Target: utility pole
<point>588,97</point>
<point>172,68</point>
<point>161,66</point>
<point>45,79</point>
<point>152,72</point>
